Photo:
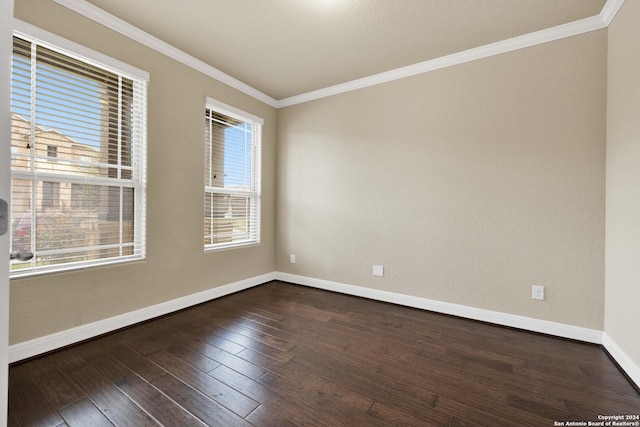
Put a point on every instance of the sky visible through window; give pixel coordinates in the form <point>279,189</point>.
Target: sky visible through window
<point>70,104</point>
<point>237,155</point>
<point>66,102</point>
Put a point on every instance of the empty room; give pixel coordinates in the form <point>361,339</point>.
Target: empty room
<point>320,213</point>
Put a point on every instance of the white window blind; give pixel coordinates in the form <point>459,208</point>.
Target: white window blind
<point>232,177</point>
<point>78,160</point>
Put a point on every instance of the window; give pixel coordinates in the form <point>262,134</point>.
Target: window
<point>78,158</point>
<point>50,195</point>
<point>232,176</point>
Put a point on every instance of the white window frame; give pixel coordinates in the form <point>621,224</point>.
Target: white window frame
<point>138,182</point>
<point>256,174</point>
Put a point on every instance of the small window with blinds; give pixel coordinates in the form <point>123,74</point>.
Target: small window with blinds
<point>232,177</point>
<point>78,160</point>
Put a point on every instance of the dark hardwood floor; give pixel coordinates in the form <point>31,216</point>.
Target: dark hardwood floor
<point>284,355</point>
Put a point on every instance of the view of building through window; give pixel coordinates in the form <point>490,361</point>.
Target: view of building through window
<point>76,143</point>
<point>232,180</point>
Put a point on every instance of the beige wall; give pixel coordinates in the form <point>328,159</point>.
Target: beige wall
<point>469,184</point>
<point>622,299</point>
<point>176,264</point>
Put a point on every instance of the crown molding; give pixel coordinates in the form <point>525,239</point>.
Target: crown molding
<point>609,10</point>
<point>520,42</point>
<point>570,29</point>
<point>116,24</point>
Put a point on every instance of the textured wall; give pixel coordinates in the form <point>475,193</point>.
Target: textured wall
<point>176,264</point>
<point>469,184</point>
<point>623,182</point>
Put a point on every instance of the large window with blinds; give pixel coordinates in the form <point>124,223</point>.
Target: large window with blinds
<point>232,176</point>
<point>77,159</point>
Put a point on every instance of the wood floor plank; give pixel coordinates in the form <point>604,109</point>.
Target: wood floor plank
<point>260,306</point>
<point>447,383</point>
<point>396,417</point>
<point>344,360</point>
<point>222,343</point>
<point>262,316</point>
<point>262,360</point>
<point>283,355</point>
<point>301,309</point>
<point>156,403</point>
<point>246,337</point>
<point>267,335</point>
<point>459,422</point>
<point>12,416</point>
<point>193,358</point>
<point>84,413</point>
<point>462,410</point>
<point>109,400</point>
<point>52,383</point>
<point>315,335</point>
<point>207,385</point>
<point>342,403</point>
<point>136,362</point>
<point>205,409</point>
<point>540,409</point>
<point>409,361</point>
<point>243,341</point>
<point>389,328</point>
<point>592,405</point>
<point>27,403</point>
<point>280,412</point>
<point>341,335</point>
<point>410,397</point>
<point>490,358</point>
<point>220,356</point>
<point>577,385</point>
<point>139,391</point>
<point>149,338</point>
<point>245,385</point>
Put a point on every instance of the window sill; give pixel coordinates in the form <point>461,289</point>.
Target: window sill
<point>234,245</point>
<point>29,272</point>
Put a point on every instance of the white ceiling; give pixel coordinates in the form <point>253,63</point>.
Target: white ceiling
<point>284,48</point>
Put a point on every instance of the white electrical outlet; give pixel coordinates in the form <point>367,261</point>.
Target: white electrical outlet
<point>293,258</point>
<point>378,270</point>
<point>537,292</point>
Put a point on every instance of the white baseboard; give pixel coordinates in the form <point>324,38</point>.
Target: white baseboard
<point>31,348</point>
<point>521,322</point>
<point>499,318</point>
<point>622,359</point>
<point>34,347</point>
